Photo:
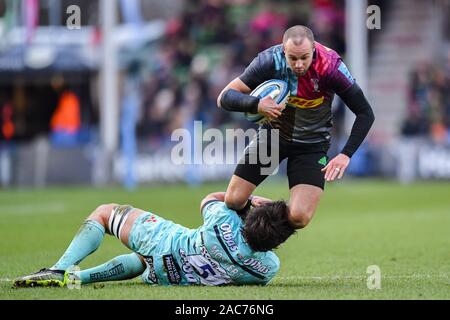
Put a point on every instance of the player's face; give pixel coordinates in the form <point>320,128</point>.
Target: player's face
<point>299,56</point>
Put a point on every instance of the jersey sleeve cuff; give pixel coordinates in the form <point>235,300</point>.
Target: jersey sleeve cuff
<point>207,203</point>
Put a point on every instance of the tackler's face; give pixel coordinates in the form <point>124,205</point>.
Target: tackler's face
<point>299,56</point>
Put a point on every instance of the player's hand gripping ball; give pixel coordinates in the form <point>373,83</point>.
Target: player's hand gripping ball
<point>278,90</point>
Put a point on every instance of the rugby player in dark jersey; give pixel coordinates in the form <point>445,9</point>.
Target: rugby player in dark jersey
<point>314,74</point>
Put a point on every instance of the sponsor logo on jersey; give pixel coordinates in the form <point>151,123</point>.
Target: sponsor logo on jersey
<point>151,270</point>
<point>186,267</point>
<point>304,103</point>
<point>208,270</point>
<point>256,265</point>
<point>172,269</point>
<point>208,257</point>
<point>227,235</point>
<point>225,248</point>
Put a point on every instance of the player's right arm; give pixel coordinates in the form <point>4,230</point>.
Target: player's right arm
<point>234,97</point>
<point>236,84</point>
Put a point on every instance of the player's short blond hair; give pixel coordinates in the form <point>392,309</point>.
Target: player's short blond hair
<point>297,34</point>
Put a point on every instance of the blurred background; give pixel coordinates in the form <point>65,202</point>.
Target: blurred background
<point>91,90</point>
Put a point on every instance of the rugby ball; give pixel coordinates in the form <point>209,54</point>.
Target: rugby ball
<point>278,90</point>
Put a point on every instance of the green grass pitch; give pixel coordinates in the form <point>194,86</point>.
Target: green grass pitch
<point>405,230</point>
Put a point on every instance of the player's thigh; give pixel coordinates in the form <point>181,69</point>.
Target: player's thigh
<point>306,169</point>
<point>261,158</point>
<point>306,184</point>
<point>122,220</point>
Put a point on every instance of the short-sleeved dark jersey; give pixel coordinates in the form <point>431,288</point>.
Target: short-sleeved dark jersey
<point>307,117</point>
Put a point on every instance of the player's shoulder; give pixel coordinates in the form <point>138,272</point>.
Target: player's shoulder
<point>217,206</point>
<point>327,60</point>
<point>266,263</point>
<point>262,68</point>
<point>272,51</point>
<point>269,56</point>
<point>211,204</point>
<point>274,263</point>
<point>217,211</point>
<point>326,53</point>
<point>271,258</point>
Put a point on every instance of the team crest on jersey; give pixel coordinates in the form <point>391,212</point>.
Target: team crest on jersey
<point>315,82</point>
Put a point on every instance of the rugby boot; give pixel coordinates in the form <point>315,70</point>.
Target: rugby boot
<point>43,278</point>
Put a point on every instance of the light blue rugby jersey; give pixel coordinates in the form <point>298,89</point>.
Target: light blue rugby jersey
<point>214,254</point>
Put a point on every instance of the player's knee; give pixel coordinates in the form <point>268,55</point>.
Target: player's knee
<point>234,201</point>
<point>299,222</point>
<point>102,212</point>
<point>106,209</point>
<point>300,218</point>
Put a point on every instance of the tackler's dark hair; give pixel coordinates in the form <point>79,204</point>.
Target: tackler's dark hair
<point>267,226</point>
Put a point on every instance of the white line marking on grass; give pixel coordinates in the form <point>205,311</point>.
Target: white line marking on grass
<point>5,280</point>
<point>32,208</point>
<point>357,277</point>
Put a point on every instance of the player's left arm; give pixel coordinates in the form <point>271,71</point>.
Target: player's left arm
<point>355,100</point>
<point>215,196</point>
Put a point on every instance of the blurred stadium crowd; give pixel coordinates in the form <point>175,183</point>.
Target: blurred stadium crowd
<point>173,79</point>
<point>179,77</point>
<point>428,108</point>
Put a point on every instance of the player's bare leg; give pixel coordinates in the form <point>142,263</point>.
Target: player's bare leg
<point>103,215</point>
<point>303,204</point>
<point>118,221</point>
<point>238,192</point>
<point>113,219</point>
